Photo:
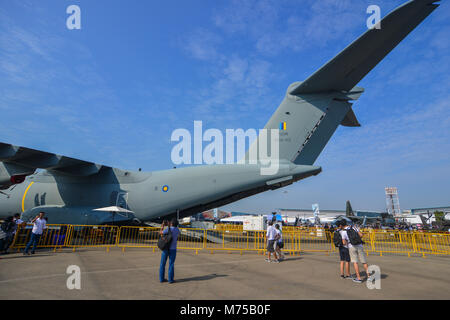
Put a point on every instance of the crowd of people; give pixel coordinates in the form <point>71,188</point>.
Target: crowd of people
<point>9,228</point>
<point>347,238</point>
<point>378,226</point>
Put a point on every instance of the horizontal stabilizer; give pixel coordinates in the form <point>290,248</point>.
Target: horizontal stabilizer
<point>345,70</point>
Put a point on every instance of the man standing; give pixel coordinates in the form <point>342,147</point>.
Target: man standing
<point>171,253</point>
<point>39,224</point>
<point>271,237</point>
<point>344,254</point>
<point>279,242</point>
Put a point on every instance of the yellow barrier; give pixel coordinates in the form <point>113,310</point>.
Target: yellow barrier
<point>54,236</point>
<point>235,240</point>
<point>92,236</point>
<point>300,241</point>
<point>391,242</point>
<point>296,239</point>
<point>191,239</point>
<point>432,243</point>
<point>147,237</point>
<point>138,237</point>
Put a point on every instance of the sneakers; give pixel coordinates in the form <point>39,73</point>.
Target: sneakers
<point>357,280</point>
<point>267,260</point>
<point>275,261</point>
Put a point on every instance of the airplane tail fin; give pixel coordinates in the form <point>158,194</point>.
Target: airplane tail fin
<point>313,109</point>
<point>353,63</point>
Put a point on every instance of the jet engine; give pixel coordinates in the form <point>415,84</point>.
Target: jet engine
<point>11,174</point>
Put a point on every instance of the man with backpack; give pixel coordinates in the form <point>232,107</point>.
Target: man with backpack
<point>343,250</point>
<point>353,237</point>
<point>169,250</point>
<point>279,242</point>
<point>271,238</point>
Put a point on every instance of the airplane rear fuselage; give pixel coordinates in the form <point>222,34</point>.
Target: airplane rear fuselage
<point>149,195</point>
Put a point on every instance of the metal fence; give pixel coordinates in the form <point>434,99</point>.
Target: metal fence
<point>92,236</point>
<point>295,240</point>
<point>54,236</point>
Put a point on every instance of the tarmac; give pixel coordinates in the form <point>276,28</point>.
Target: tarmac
<point>133,274</point>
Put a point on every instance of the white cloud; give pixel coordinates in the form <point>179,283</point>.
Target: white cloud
<point>201,44</point>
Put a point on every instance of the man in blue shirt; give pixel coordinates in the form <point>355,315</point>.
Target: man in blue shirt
<point>171,253</point>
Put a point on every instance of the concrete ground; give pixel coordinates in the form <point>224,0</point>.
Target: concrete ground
<point>133,274</point>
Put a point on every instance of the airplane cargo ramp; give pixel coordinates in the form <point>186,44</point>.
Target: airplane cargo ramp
<point>198,234</point>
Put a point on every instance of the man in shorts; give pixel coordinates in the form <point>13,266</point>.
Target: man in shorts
<point>279,242</point>
<point>343,252</point>
<point>271,238</point>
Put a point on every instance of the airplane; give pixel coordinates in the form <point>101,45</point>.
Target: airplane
<point>69,190</point>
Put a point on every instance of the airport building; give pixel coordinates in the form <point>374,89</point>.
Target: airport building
<point>305,213</point>
<point>446,210</point>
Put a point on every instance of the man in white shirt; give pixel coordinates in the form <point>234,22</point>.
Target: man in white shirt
<point>39,224</point>
<point>271,238</point>
<point>343,251</point>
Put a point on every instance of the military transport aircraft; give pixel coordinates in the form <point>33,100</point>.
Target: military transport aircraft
<point>69,190</point>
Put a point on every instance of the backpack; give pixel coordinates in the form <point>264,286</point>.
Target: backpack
<point>8,226</point>
<point>354,237</point>
<point>165,240</point>
<point>337,239</point>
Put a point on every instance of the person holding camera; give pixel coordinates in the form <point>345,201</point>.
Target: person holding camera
<point>39,224</point>
<point>171,252</point>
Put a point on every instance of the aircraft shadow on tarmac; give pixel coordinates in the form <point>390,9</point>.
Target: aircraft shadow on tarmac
<point>201,278</point>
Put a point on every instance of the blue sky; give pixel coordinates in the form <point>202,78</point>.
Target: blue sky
<point>114,91</point>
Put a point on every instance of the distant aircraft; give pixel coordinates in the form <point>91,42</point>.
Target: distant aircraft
<point>349,210</point>
<point>69,190</point>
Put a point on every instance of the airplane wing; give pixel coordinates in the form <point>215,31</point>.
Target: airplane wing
<point>20,161</point>
<point>344,71</point>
